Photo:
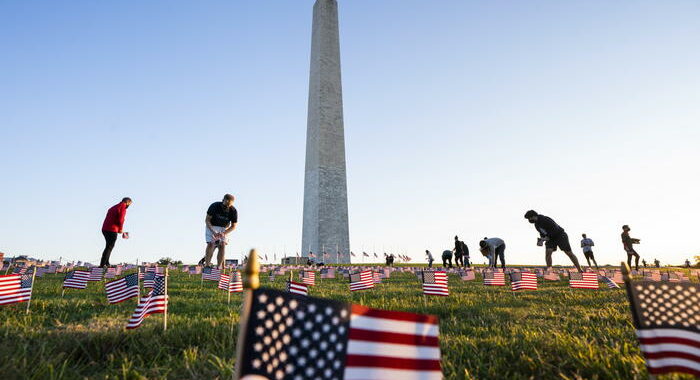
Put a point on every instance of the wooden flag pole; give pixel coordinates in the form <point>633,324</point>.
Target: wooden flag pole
<point>167,301</point>
<point>228,286</point>
<point>29,302</point>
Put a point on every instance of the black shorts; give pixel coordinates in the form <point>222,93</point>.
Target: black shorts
<point>588,255</point>
<point>561,241</point>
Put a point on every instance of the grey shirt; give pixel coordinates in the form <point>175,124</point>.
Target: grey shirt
<point>586,244</point>
<point>492,244</point>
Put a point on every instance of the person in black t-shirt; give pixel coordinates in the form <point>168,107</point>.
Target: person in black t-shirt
<point>221,220</point>
<point>553,236</point>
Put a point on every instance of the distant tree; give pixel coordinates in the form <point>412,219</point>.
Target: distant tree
<point>697,261</point>
<point>168,260</point>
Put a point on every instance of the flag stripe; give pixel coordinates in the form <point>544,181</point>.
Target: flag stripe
<point>392,337</point>
<point>364,373</point>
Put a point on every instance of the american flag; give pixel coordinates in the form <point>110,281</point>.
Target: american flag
<point>523,281</point>
<point>223,281</point>
<point>585,280</point>
<point>211,274</point>
<point>670,277</point>
<point>308,277</point>
<point>435,283</point>
<point>492,278</point>
<point>149,279</point>
<point>76,279</point>
<point>352,254</point>
<point>667,319</point>
<point>361,280</point>
<point>328,273</point>
<point>155,302</point>
<point>609,282</point>
<point>376,278</point>
<point>111,272</point>
<point>551,276</point>
<point>326,339</point>
<point>297,288</point>
<point>15,288</point>
<point>467,275</point>
<point>122,289</point>
<point>195,269</point>
<point>653,276</point>
<point>19,270</point>
<point>365,254</point>
<point>272,275</point>
<point>235,285</point>
<point>96,274</point>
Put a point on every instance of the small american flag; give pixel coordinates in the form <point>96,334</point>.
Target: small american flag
<point>376,278</point>
<point>149,280</point>
<point>15,288</point>
<point>211,274</point>
<point>297,288</point>
<point>492,278</point>
<point>609,282</point>
<point>667,319</point>
<point>551,276</point>
<point>585,280</point>
<point>670,277</point>
<point>122,289</point>
<point>523,281</point>
<point>435,284</point>
<point>318,338</point>
<point>467,275</point>
<point>653,276</point>
<point>195,269</point>
<point>76,279</point>
<point>96,274</point>
<point>235,285</point>
<point>308,277</point>
<point>223,281</point>
<point>111,272</point>
<point>361,280</point>
<point>328,273</point>
<point>155,302</point>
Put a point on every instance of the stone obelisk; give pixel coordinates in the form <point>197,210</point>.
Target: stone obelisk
<point>325,186</point>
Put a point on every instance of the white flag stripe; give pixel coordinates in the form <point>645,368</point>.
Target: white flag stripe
<point>402,351</point>
<point>676,333</point>
<point>670,362</point>
<point>400,327</point>
<point>372,373</point>
<point>670,347</point>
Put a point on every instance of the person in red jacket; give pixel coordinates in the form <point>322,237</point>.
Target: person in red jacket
<point>112,227</point>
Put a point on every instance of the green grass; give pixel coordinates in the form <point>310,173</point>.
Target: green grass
<point>485,332</point>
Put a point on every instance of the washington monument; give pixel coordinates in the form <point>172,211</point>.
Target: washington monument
<point>325,226</point>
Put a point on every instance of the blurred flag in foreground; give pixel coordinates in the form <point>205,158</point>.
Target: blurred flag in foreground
<point>667,320</point>
<point>318,338</point>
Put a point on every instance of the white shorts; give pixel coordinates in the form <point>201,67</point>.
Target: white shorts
<point>209,236</point>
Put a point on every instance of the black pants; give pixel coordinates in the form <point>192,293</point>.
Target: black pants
<point>110,239</point>
<point>447,261</point>
<point>458,261</point>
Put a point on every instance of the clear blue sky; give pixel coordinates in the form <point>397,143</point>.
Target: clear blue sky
<point>459,116</point>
